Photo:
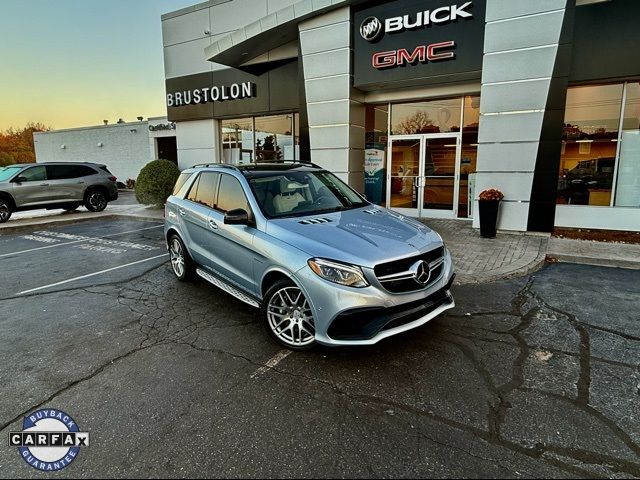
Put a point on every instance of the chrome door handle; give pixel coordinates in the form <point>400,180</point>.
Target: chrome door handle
<point>182,212</point>
<point>80,183</point>
<point>44,184</point>
<point>213,225</point>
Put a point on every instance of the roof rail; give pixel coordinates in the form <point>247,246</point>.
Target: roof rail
<point>207,165</point>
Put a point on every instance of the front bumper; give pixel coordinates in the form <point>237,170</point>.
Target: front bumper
<point>365,316</point>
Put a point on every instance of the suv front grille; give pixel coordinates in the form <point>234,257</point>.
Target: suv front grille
<point>396,277</point>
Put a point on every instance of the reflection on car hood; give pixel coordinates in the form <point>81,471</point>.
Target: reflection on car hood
<point>364,236</point>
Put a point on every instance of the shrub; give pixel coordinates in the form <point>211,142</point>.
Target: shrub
<point>155,182</point>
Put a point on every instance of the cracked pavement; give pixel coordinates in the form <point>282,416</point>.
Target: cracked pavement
<point>530,377</point>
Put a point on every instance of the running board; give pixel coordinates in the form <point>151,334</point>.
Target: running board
<point>228,288</point>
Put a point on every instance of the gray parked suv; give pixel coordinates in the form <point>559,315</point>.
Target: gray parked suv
<point>55,185</point>
<point>322,264</point>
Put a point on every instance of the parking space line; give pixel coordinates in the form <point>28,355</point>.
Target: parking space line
<point>271,364</point>
<point>91,274</point>
<point>88,239</point>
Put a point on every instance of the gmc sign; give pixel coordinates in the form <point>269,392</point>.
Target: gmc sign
<point>421,54</point>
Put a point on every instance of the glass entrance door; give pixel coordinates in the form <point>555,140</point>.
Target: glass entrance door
<point>422,178</point>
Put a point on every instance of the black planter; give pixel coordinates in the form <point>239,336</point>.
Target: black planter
<point>488,217</point>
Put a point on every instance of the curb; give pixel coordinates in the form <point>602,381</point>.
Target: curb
<point>596,261</point>
<point>77,219</point>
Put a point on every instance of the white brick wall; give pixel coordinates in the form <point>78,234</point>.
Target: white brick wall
<point>123,151</point>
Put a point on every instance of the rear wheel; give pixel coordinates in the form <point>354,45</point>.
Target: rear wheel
<point>95,201</point>
<point>183,267</point>
<point>287,316</point>
<point>5,210</point>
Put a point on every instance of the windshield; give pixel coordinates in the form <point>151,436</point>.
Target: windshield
<point>294,194</point>
<point>8,172</point>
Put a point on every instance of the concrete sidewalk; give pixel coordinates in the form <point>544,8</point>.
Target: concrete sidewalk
<point>482,260</point>
<point>588,252</point>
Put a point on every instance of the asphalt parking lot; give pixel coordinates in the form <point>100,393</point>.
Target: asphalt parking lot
<point>532,377</point>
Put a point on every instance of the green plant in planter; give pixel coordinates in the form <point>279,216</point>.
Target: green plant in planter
<point>156,181</point>
<point>489,206</point>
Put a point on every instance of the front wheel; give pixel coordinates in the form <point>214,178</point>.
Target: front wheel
<point>5,211</point>
<point>96,201</point>
<point>287,316</point>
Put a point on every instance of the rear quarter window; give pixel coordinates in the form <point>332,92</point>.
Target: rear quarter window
<point>182,180</point>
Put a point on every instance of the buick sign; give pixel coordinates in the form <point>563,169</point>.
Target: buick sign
<point>371,29</point>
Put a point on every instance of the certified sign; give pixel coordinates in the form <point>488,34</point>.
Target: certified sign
<point>50,440</point>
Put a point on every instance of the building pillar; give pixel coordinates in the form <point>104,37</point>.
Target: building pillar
<point>198,142</point>
<point>524,80</point>
<point>336,118</point>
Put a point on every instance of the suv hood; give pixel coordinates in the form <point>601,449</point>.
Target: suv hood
<point>365,236</point>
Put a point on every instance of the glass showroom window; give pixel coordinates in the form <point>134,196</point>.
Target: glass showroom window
<point>628,175</point>
<point>261,139</point>
<point>469,156</point>
<point>237,141</point>
<point>274,138</point>
<point>590,145</point>
<point>436,116</point>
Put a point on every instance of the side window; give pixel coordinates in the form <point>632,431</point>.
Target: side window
<point>193,191</point>
<point>182,179</point>
<point>84,171</point>
<point>207,188</point>
<point>64,172</point>
<point>60,172</point>
<point>35,174</point>
<point>231,195</point>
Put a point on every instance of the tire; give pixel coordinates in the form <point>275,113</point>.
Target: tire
<point>287,316</point>
<point>71,208</point>
<point>5,210</point>
<point>182,265</point>
<point>95,200</point>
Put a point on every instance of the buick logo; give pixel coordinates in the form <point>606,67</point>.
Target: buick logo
<point>421,272</point>
<point>371,29</point>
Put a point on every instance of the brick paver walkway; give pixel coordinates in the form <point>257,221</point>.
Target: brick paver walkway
<point>481,260</point>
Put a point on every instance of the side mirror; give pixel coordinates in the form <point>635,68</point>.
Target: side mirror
<point>20,179</point>
<point>239,216</point>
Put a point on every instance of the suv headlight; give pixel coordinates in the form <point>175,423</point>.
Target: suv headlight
<point>348,275</point>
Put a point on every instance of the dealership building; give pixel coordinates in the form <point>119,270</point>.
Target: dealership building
<point>422,104</point>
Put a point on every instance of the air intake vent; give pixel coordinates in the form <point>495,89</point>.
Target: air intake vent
<point>373,211</point>
<point>314,221</point>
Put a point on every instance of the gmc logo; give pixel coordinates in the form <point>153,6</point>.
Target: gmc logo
<point>422,54</point>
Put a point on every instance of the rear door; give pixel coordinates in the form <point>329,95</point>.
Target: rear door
<point>233,244</point>
<point>64,182</point>
<point>34,190</point>
<point>195,211</point>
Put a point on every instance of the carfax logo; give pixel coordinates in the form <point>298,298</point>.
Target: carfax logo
<point>50,440</point>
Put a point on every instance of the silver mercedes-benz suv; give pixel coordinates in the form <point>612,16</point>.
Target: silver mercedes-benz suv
<point>322,264</point>
<point>55,185</point>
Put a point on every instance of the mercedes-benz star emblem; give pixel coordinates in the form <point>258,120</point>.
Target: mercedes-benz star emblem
<point>421,272</point>
<point>371,29</point>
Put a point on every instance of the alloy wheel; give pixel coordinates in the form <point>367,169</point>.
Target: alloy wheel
<point>290,317</point>
<point>97,201</point>
<point>4,212</point>
<point>176,252</point>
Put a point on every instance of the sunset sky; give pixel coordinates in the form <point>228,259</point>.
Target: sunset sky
<point>71,63</point>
